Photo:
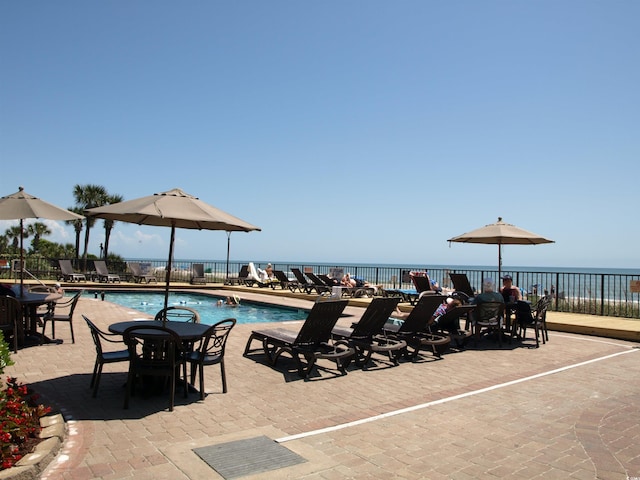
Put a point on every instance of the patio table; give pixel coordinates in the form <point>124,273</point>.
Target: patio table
<point>30,302</point>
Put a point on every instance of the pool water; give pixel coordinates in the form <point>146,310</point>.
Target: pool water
<point>205,305</point>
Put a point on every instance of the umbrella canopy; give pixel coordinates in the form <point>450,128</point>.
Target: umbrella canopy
<point>500,233</point>
<point>20,206</point>
<point>175,209</point>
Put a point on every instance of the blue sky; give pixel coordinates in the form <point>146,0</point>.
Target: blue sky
<point>349,131</point>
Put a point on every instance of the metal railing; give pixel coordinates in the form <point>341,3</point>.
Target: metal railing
<point>606,294</point>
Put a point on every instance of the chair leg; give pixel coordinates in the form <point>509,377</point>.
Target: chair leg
<point>201,367</point>
<point>224,377</point>
<point>73,339</point>
<point>97,381</point>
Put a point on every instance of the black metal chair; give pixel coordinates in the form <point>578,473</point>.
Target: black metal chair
<point>210,352</point>
<point>154,351</point>
<point>10,317</point>
<point>54,315</point>
<point>536,319</point>
<point>103,357</point>
<point>489,317</point>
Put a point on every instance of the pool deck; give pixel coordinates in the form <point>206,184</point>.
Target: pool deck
<point>565,410</point>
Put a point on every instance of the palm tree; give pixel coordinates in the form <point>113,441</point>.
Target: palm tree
<point>37,229</point>
<point>89,196</point>
<point>77,226</point>
<point>13,234</point>
<point>108,224</point>
<point>4,243</point>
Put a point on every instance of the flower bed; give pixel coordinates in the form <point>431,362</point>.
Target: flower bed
<point>19,422</point>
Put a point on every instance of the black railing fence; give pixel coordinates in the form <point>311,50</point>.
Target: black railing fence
<point>607,294</point>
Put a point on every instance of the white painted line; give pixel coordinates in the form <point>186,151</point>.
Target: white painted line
<point>447,399</point>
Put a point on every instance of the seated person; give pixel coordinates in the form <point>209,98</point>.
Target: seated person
<point>488,295</point>
<point>450,324</point>
<point>508,290</point>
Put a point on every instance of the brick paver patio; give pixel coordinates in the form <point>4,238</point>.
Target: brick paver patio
<point>566,410</point>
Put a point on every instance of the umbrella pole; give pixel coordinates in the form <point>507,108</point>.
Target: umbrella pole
<point>228,248</point>
<point>499,263</point>
<point>168,277</point>
<point>21,259</point>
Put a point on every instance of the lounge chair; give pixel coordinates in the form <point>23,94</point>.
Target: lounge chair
<point>139,274</point>
<point>103,273</point>
<point>317,284</point>
<point>461,284</point>
<point>292,285</point>
<point>458,335</point>
<point>312,341</point>
<point>304,284</point>
<point>406,295</point>
<point>198,277</point>
<point>423,284</point>
<point>254,278</point>
<point>242,277</point>
<point>67,274</point>
<point>367,335</point>
<point>415,330</point>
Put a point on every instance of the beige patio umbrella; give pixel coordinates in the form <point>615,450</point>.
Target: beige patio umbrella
<point>175,209</point>
<point>20,206</point>
<point>500,233</point>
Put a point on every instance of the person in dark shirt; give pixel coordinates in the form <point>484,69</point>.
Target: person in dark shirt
<point>508,290</point>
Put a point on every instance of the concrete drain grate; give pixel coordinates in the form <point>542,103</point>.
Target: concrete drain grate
<point>247,457</point>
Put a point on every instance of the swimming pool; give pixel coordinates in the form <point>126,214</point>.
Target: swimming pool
<point>205,305</point>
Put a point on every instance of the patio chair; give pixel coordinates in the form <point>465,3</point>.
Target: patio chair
<point>103,273</point>
<point>103,357</point>
<point>317,284</point>
<point>303,283</point>
<point>452,317</point>
<point>367,336</point>
<point>242,277</point>
<point>292,285</point>
<point>139,274</point>
<point>423,284</point>
<point>198,277</point>
<point>178,314</point>
<point>461,284</point>
<point>10,319</point>
<point>254,279</point>
<point>54,315</point>
<point>154,351</point>
<point>312,341</point>
<point>210,352</point>
<point>536,319</point>
<point>415,330</point>
<point>67,274</point>
<point>489,319</point>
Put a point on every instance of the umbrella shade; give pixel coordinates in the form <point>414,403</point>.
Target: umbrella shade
<point>175,209</point>
<point>500,233</point>
<point>21,205</point>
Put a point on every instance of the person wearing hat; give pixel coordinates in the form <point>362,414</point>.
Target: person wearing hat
<point>510,293</point>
